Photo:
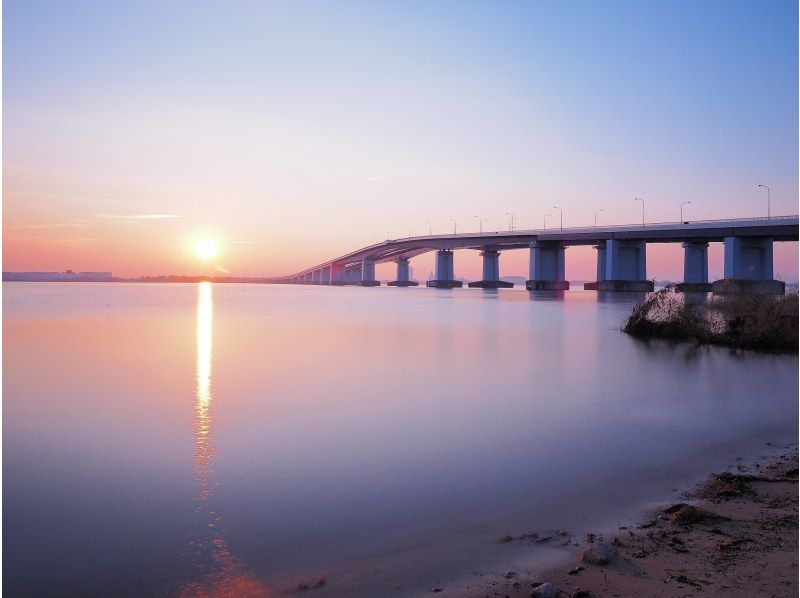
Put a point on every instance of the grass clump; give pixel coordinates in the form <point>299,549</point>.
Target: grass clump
<point>759,322</point>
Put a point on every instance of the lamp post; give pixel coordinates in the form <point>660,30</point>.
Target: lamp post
<point>640,199</point>
<point>544,223</point>
<point>683,203</point>
<point>480,223</point>
<point>596,212</point>
<point>510,222</point>
<point>408,229</point>
<point>768,208</point>
<point>430,228</point>
<point>561,214</point>
<point>453,220</point>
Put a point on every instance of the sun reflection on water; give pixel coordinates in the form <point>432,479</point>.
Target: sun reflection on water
<point>215,571</point>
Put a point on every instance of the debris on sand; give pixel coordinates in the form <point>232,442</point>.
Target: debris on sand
<point>683,514</point>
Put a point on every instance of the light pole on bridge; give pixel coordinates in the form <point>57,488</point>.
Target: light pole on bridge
<point>768,208</point>
<point>683,203</point>
<point>430,228</point>
<point>510,222</point>
<point>596,212</point>
<point>455,229</point>
<point>408,228</point>
<point>640,199</point>
<point>561,214</point>
<point>480,223</point>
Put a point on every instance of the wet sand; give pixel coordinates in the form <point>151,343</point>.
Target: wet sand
<point>735,534</point>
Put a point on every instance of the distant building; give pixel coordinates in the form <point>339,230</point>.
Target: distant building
<point>66,276</point>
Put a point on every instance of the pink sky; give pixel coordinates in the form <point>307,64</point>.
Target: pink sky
<point>292,136</point>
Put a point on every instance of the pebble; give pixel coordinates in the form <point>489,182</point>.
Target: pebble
<point>545,590</point>
<point>599,554</point>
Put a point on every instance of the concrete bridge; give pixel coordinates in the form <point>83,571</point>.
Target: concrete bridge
<point>621,256</point>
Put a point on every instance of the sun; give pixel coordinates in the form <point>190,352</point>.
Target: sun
<point>205,248</point>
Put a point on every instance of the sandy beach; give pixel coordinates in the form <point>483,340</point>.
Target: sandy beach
<point>735,534</point>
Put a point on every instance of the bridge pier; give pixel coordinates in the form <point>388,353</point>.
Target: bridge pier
<point>695,268</point>
<point>491,272</point>
<point>325,276</point>
<point>337,274</point>
<point>403,274</point>
<point>547,267</point>
<point>315,276</point>
<point>368,274</point>
<point>444,271</point>
<point>748,268</point>
<point>621,266</point>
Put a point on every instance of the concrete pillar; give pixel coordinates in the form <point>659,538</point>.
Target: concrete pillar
<point>368,274</point>
<point>748,267</point>
<point>325,275</point>
<point>491,264</point>
<point>621,266</point>
<point>337,274</point>
<point>626,260</point>
<point>444,265</point>
<point>445,278</point>
<point>491,271</point>
<point>403,274</point>
<point>695,267</point>
<point>315,276</point>
<point>403,270</point>
<point>601,260</point>
<point>547,270</point>
<point>354,274</point>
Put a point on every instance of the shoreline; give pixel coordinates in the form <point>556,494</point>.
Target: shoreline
<point>732,534</point>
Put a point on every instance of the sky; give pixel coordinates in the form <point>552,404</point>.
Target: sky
<point>294,132</point>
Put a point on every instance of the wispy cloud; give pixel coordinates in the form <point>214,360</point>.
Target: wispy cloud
<point>68,224</point>
<point>137,216</point>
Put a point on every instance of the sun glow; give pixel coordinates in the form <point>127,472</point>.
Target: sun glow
<point>205,248</point>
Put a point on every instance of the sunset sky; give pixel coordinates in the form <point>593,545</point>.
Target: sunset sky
<point>293,132</point>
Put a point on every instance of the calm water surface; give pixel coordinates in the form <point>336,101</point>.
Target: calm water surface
<point>239,439</point>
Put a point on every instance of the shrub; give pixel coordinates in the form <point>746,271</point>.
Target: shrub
<point>760,322</point>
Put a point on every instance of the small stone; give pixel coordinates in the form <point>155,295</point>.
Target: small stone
<point>576,570</point>
<point>505,539</point>
<point>510,574</point>
<point>639,554</point>
<point>579,593</point>
<point>680,548</point>
<point>600,553</point>
<point>545,590</point>
<point>516,584</point>
<point>436,590</point>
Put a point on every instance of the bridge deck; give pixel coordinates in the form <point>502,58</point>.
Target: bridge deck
<point>780,228</point>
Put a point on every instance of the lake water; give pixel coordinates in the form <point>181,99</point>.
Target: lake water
<point>207,439</point>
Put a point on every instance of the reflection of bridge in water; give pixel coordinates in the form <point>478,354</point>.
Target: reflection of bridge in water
<point>621,256</point>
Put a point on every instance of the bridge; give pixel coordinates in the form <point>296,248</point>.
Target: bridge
<point>621,256</point>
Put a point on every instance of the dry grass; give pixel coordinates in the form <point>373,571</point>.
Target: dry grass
<point>759,322</point>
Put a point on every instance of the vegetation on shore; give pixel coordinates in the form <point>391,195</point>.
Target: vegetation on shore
<point>758,322</point>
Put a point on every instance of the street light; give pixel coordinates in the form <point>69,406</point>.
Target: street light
<point>511,222</point>
<point>768,209</point>
<point>640,199</point>
<point>408,228</point>
<point>544,224</point>
<point>683,204</point>
<point>561,213</point>
<point>430,228</point>
<point>480,223</point>
<point>453,220</point>
<point>596,212</point>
